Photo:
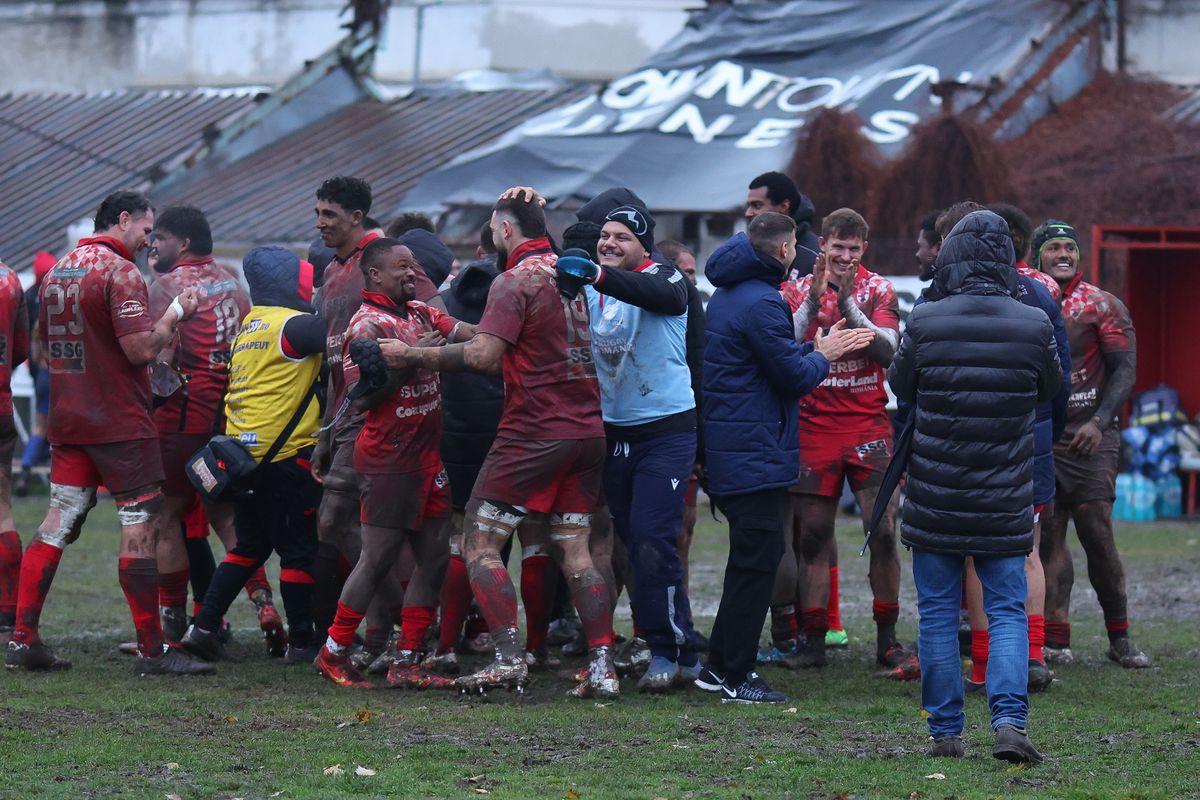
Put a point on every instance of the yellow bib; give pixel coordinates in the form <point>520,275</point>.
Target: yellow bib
<point>266,386</point>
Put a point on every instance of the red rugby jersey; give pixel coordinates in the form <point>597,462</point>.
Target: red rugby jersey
<point>14,333</point>
<point>1096,323</point>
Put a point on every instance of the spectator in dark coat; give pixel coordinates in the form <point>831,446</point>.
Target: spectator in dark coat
<point>754,374</point>
<point>976,362</point>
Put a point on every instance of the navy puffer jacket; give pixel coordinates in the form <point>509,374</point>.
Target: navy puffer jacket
<point>754,374</point>
<point>976,363</point>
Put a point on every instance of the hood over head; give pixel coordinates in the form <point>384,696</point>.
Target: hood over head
<point>474,280</point>
<point>278,277</point>
<point>433,256</point>
<point>977,257</point>
<point>600,206</point>
<point>737,261</point>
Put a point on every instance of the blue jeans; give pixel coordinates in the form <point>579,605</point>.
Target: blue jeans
<point>938,578</point>
<point>645,483</point>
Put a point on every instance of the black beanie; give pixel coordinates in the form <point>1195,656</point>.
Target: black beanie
<point>638,220</point>
<point>584,235</point>
<point>435,258</point>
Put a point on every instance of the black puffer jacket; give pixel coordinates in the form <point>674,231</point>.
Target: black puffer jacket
<point>471,403</point>
<point>976,362</point>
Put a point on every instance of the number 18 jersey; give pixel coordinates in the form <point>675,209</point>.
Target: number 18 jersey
<point>90,299</point>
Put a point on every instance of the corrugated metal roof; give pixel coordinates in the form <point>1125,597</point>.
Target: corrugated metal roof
<point>1187,110</point>
<point>62,153</point>
<point>268,196</point>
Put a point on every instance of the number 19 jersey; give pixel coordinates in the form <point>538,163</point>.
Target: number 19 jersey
<point>90,299</point>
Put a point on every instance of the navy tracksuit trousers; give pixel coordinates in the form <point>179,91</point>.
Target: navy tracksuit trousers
<point>646,482</point>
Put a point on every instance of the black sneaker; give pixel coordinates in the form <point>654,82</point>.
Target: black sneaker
<point>1012,744</point>
<point>172,662</point>
<point>752,690</point>
<point>709,680</point>
<point>205,646</point>
<point>33,657</point>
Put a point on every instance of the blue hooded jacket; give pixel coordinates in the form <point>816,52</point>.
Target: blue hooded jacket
<point>754,374</point>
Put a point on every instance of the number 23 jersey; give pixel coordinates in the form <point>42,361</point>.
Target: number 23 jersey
<point>90,299</point>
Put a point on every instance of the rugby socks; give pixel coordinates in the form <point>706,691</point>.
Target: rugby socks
<point>345,623</point>
<point>885,615</point>
<point>1117,628</point>
<point>455,603</point>
<point>784,626</point>
<point>834,607</point>
<point>10,576</point>
<point>375,639</point>
<point>258,582</point>
<point>1037,637</point>
<point>417,622</point>
<point>1058,634</point>
<point>536,598</point>
<point>979,655</point>
<point>37,573</point>
<point>296,591</point>
<point>589,593</point>
<point>139,581</point>
<point>815,622</point>
<point>493,590</point>
<point>172,588</point>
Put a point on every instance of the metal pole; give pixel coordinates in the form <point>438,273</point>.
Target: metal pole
<point>416,76</point>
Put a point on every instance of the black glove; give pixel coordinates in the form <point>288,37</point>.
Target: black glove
<point>573,271</point>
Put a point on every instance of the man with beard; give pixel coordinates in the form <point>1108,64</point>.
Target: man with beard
<point>1104,364</point>
<point>846,435</point>
<point>549,452</point>
<point>929,242</point>
<point>196,364</point>
<point>99,337</point>
<point>638,310</point>
<point>405,492</point>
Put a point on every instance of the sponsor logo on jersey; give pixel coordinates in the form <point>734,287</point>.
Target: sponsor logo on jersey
<point>66,356</point>
<point>248,438</point>
<point>130,309</point>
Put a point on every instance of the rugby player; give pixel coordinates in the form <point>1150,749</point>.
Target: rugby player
<point>198,362</point>
<point>405,492</point>
<point>549,451</point>
<point>14,349</point>
<point>99,336</point>
<point>1104,364</point>
<point>845,434</point>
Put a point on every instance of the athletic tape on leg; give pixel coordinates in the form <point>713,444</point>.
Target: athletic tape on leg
<point>70,504</point>
<point>569,526</point>
<point>139,509</point>
<point>498,518</point>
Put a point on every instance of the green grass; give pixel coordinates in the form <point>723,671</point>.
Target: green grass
<point>260,730</point>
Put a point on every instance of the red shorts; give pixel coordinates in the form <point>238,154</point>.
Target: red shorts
<point>195,520</point>
<point>562,476</point>
<point>177,449</point>
<point>403,501</point>
<point>827,458</point>
<point>118,466</point>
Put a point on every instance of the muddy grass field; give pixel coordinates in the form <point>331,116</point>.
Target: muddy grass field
<point>259,730</point>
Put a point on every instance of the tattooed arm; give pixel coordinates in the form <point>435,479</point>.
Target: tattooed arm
<point>481,354</point>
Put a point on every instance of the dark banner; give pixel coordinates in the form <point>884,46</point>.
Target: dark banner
<point>724,99</point>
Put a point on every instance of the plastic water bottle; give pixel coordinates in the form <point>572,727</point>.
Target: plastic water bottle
<point>1170,496</point>
<point>1143,498</point>
<point>1123,506</point>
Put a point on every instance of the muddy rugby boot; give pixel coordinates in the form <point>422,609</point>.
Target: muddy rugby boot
<point>407,672</point>
<point>37,656</point>
<point>202,644</point>
<point>1040,676</point>
<point>1058,655</point>
<point>174,622</point>
<point>443,663</point>
<point>1125,652</point>
<point>602,681</point>
<point>901,665</point>
<point>171,661</point>
<point>337,668</point>
<point>271,625</point>
<point>542,660</point>
<point>499,674</point>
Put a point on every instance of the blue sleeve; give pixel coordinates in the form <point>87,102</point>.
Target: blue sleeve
<point>793,370</point>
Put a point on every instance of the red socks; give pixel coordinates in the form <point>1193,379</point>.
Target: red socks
<point>815,622</point>
<point>834,607</point>
<point>885,613</point>
<point>784,626</point>
<point>455,602</point>
<point>172,588</point>
<point>536,599</point>
<point>979,655</point>
<point>417,620</point>
<point>1058,634</point>
<point>10,574</point>
<point>37,573</point>
<point>589,594</point>
<point>1117,628</point>
<point>139,581</point>
<point>1037,637</point>
<point>345,623</point>
<point>258,581</point>
<point>496,597</point>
